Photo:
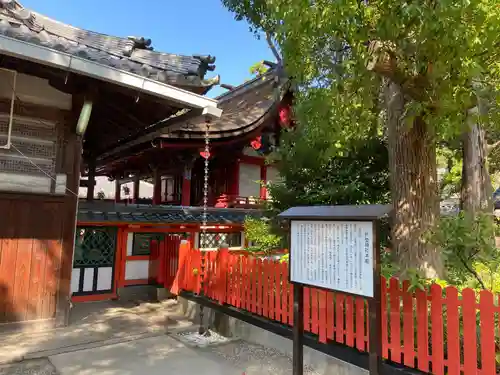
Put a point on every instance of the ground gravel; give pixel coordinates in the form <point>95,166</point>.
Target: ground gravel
<point>30,367</point>
<point>255,359</point>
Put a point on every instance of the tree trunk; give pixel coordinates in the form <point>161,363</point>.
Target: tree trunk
<point>414,190</point>
<point>477,192</point>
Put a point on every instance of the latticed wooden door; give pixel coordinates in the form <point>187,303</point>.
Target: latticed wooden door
<point>94,260</point>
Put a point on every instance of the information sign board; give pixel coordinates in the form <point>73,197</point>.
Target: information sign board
<point>335,255</point>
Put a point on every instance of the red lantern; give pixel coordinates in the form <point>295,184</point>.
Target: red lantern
<point>285,116</point>
<point>256,143</point>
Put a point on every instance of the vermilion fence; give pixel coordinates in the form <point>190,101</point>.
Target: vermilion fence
<point>441,331</point>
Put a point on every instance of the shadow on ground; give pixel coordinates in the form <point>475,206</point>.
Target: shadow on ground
<point>94,323</point>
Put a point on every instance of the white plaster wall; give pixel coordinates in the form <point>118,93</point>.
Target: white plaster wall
<point>88,279</point>
<point>249,180</point>
<point>29,183</point>
<point>102,184</point>
<point>136,269</point>
<point>75,279</point>
<point>130,243</point>
<point>104,278</point>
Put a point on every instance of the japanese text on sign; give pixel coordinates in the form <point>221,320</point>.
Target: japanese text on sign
<point>336,255</point>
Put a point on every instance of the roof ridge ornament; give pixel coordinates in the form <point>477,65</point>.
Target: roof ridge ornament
<point>206,64</point>
<point>20,13</point>
<point>138,43</point>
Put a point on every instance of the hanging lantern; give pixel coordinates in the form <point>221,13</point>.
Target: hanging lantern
<point>205,154</point>
<point>285,116</point>
<point>256,143</point>
<point>262,144</point>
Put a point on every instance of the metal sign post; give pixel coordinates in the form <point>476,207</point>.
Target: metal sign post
<point>336,248</point>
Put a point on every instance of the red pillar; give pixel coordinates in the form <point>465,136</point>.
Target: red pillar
<point>118,191</point>
<point>263,179</point>
<point>186,187</point>
<point>156,187</point>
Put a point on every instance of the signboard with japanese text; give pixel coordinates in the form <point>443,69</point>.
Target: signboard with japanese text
<point>335,255</point>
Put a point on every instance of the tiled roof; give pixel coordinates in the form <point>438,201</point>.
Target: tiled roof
<point>131,54</point>
<point>98,212</point>
<point>244,109</point>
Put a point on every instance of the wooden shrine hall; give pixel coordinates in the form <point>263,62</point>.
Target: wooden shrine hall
<point>146,233</point>
<point>76,104</point>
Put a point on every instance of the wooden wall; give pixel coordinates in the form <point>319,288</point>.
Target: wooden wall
<point>37,233</point>
<point>31,240</point>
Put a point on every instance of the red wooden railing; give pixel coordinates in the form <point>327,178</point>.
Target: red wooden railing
<point>440,331</point>
<point>236,201</point>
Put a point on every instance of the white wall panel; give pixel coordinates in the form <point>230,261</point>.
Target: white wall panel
<point>130,243</point>
<point>136,269</point>
<point>75,280</point>
<point>88,279</point>
<point>104,278</point>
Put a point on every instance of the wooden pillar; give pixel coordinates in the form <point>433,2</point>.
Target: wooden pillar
<point>91,181</point>
<point>263,179</point>
<point>118,191</point>
<point>186,187</point>
<point>137,180</point>
<point>157,187</point>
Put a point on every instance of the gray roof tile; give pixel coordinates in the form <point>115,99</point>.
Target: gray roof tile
<point>130,54</point>
<point>99,212</point>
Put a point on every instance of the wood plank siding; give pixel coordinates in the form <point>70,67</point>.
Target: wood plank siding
<point>37,226</point>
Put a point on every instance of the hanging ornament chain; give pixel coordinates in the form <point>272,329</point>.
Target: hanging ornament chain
<point>202,330</point>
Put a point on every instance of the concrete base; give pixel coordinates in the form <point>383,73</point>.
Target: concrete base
<point>139,293</point>
<point>163,294</point>
<point>232,327</point>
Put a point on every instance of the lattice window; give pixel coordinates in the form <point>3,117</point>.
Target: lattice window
<point>33,142</point>
<point>28,146</point>
<point>95,247</point>
<point>213,240</point>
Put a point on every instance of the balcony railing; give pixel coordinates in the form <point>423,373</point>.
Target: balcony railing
<point>236,201</point>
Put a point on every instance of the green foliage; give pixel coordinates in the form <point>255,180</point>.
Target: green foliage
<point>314,174</point>
<point>258,69</point>
<point>471,256</point>
<point>452,180</point>
<point>259,233</point>
<point>443,54</point>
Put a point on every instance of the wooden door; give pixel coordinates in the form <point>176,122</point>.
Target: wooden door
<point>31,252</point>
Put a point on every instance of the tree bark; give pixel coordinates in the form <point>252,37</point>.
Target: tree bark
<point>477,192</point>
<point>414,189</point>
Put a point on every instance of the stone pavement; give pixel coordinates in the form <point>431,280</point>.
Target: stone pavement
<point>160,355</point>
<point>94,325</point>
<point>165,355</point>
<point>130,338</point>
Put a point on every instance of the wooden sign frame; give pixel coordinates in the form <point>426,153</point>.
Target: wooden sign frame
<point>366,213</point>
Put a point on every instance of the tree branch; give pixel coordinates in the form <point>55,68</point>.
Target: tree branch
<point>271,45</point>
<point>494,145</point>
<point>473,272</point>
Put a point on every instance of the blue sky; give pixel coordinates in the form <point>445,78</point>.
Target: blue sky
<point>177,26</point>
